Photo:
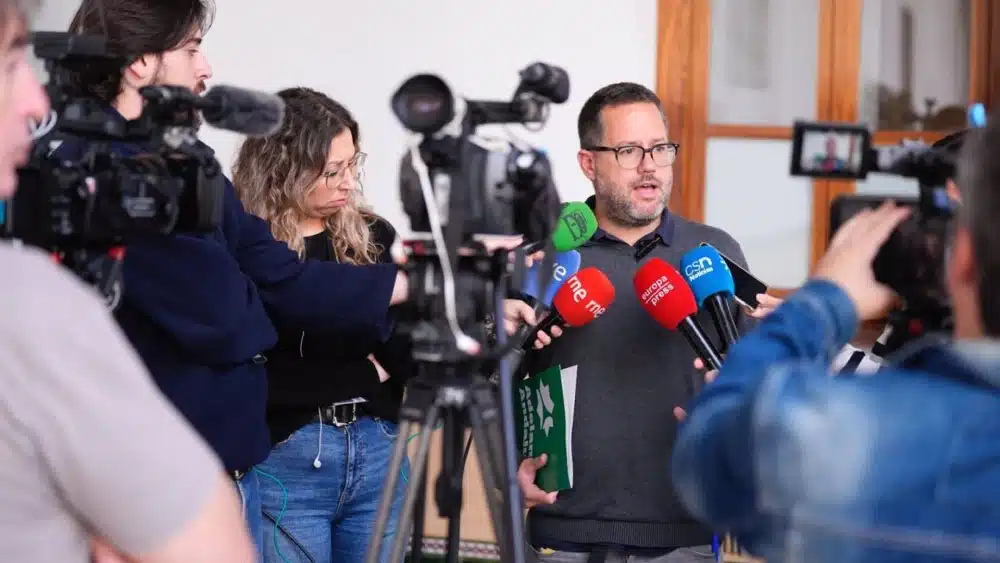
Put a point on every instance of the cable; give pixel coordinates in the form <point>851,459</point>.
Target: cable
<point>410,439</point>
<point>319,449</point>
<point>463,341</point>
<point>43,128</point>
<point>468,447</point>
<point>281,513</point>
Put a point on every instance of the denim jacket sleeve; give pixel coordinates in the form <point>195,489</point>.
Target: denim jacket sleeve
<point>713,469</point>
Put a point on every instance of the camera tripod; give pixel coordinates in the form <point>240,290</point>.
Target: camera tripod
<point>459,401</point>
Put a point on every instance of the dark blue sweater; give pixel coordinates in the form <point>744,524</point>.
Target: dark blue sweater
<point>196,308</point>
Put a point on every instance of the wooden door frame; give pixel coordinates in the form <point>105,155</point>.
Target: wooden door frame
<point>684,37</point>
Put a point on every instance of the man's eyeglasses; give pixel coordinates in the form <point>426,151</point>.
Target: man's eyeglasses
<point>355,167</point>
<point>631,156</point>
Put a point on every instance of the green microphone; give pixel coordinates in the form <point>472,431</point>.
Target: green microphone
<point>576,225</point>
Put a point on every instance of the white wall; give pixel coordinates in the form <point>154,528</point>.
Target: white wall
<point>360,52</point>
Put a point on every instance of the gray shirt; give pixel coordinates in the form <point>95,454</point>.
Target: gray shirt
<point>88,445</point>
<point>631,373</point>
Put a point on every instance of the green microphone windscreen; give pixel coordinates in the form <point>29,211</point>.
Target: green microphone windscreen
<point>576,225</point>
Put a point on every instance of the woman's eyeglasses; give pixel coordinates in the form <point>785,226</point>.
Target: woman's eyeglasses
<point>355,167</point>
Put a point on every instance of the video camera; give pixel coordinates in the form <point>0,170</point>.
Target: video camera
<point>120,180</point>
<point>912,261</point>
<point>460,190</point>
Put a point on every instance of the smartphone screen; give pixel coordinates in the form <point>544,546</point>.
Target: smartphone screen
<point>747,286</point>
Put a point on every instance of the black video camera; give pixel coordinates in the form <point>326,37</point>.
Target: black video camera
<point>459,189</point>
<point>115,180</point>
<point>912,261</point>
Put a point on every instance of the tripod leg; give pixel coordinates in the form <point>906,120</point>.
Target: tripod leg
<point>385,504</point>
<point>417,474</point>
<point>417,539</point>
<point>448,487</point>
<point>486,435</point>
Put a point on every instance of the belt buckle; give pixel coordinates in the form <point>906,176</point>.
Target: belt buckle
<point>237,474</point>
<point>342,423</point>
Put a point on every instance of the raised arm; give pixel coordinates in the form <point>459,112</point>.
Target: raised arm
<point>308,293</point>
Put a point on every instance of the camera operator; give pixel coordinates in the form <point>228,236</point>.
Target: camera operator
<point>900,466</point>
<point>632,371</point>
<point>198,308</point>
<point>71,468</point>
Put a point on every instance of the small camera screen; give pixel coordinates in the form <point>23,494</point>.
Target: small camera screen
<point>832,152</point>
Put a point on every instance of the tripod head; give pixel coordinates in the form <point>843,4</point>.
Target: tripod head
<point>477,274</point>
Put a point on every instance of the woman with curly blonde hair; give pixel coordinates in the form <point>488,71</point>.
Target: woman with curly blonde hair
<point>333,397</point>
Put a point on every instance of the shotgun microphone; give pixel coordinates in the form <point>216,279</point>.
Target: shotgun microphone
<point>256,114</point>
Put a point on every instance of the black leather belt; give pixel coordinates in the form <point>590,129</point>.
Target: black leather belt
<point>342,415</point>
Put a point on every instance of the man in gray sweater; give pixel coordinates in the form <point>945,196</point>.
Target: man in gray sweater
<point>631,372</point>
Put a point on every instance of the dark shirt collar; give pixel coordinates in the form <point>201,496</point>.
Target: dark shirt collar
<point>665,231</point>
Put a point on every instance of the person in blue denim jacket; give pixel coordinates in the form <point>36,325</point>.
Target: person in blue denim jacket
<point>903,465</point>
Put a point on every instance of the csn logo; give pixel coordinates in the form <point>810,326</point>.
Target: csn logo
<point>698,268</point>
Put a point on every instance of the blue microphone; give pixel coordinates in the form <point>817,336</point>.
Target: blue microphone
<point>565,265</point>
<point>977,115</point>
<point>710,280</point>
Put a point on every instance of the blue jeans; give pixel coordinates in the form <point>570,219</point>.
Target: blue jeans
<point>249,489</point>
<point>326,514</point>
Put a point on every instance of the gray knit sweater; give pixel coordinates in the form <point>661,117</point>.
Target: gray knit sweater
<point>632,373</point>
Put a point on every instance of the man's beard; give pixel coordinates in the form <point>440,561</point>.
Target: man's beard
<point>619,208</point>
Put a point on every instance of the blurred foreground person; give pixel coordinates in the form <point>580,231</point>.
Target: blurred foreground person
<point>900,466</point>
<point>86,440</point>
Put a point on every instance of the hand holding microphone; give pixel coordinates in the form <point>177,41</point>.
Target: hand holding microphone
<point>518,324</point>
<point>710,280</point>
<point>565,265</point>
<point>667,298</point>
<point>519,320</point>
<point>581,299</point>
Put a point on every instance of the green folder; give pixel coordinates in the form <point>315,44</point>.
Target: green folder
<point>545,424</point>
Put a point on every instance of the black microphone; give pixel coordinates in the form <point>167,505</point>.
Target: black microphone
<point>257,114</point>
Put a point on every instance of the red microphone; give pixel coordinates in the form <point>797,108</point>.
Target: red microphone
<point>668,299</point>
<point>584,296</point>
